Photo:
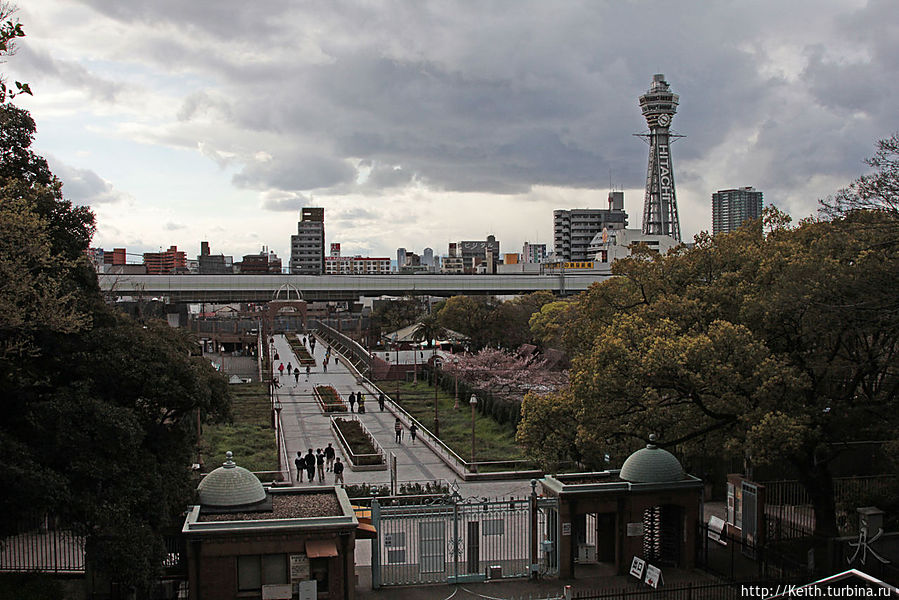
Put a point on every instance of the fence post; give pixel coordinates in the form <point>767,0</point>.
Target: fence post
<point>456,540</point>
<point>376,545</point>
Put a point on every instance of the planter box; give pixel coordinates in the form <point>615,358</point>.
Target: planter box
<point>301,353</point>
<point>329,399</point>
<point>362,450</point>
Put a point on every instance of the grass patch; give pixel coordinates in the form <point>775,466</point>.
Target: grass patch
<point>493,441</point>
<point>249,435</point>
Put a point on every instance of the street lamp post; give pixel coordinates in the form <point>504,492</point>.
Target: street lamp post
<point>473,403</point>
<point>436,410</point>
<point>277,416</point>
<point>396,347</point>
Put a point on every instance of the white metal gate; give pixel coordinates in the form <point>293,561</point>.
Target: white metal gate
<point>464,540</point>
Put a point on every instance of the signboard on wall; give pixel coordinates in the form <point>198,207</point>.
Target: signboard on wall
<point>635,529</point>
<point>566,528</point>
<point>299,567</point>
<point>308,590</point>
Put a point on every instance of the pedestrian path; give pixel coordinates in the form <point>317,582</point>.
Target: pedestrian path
<point>306,426</point>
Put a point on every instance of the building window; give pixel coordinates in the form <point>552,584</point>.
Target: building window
<point>257,570</point>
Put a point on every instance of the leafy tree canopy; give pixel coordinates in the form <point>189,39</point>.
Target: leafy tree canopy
<point>99,410</point>
<point>783,346</point>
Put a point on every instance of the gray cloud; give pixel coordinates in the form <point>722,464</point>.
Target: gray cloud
<point>70,73</point>
<point>83,186</point>
<point>284,202</point>
<point>502,97</point>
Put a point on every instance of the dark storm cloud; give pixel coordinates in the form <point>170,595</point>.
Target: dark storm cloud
<point>501,97</point>
<point>83,186</point>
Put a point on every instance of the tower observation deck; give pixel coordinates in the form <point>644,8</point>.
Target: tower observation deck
<point>659,105</point>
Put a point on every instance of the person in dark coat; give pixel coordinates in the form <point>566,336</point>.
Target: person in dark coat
<point>398,431</point>
<point>300,463</point>
<point>329,457</point>
<point>320,465</point>
<point>412,431</point>
<point>338,472</point>
<point>352,401</point>
<point>381,401</point>
<point>310,465</point>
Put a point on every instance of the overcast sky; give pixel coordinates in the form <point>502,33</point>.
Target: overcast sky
<point>419,123</point>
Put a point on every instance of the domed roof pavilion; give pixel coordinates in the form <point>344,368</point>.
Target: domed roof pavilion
<point>650,503</point>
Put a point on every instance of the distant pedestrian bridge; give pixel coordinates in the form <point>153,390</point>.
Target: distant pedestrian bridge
<point>262,288</point>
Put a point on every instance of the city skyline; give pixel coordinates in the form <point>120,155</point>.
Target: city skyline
<point>418,125</point>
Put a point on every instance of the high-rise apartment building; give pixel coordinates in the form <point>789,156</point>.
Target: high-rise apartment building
<point>732,208</point>
<point>307,247</point>
<point>574,229</point>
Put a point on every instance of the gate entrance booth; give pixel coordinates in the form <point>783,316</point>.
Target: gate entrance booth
<point>649,509</point>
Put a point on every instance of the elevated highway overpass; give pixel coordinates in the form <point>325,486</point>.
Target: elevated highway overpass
<point>262,288</point>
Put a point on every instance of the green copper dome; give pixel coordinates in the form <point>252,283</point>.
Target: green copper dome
<point>651,465</point>
<point>230,485</point>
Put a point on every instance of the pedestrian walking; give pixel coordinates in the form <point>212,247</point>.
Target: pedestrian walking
<point>277,357</point>
<point>412,431</point>
<point>381,401</point>
<point>352,401</point>
<point>307,372</point>
<point>320,465</point>
<point>338,472</point>
<point>296,375</point>
<point>329,457</point>
<point>325,366</point>
<point>281,368</point>
<point>310,466</point>
<point>289,368</point>
<point>300,463</point>
<point>361,400</point>
<point>398,431</point>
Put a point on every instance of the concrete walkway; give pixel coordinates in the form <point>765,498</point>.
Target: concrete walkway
<point>306,426</point>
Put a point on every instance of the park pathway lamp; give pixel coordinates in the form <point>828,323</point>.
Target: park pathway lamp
<point>276,415</point>
<point>396,346</point>
<point>473,403</point>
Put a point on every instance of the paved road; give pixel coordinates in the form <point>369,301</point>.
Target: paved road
<point>306,426</point>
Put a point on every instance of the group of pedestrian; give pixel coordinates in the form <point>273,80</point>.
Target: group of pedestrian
<point>398,431</point>
<point>317,462</point>
<point>357,397</point>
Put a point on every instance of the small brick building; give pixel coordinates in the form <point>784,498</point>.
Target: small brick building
<point>649,509</point>
<point>243,539</point>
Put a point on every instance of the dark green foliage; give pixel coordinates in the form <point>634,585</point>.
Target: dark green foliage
<point>99,410</point>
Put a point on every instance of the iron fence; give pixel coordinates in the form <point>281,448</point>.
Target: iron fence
<point>461,541</point>
<point>736,559</point>
<point>42,547</point>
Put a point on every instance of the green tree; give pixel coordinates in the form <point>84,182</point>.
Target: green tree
<point>428,329</point>
<point>783,347</point>
<point>396,314</point>
<point>510,319</point>
<point>878,190</point>
<point>99,410</point>
<point>471,315</point>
